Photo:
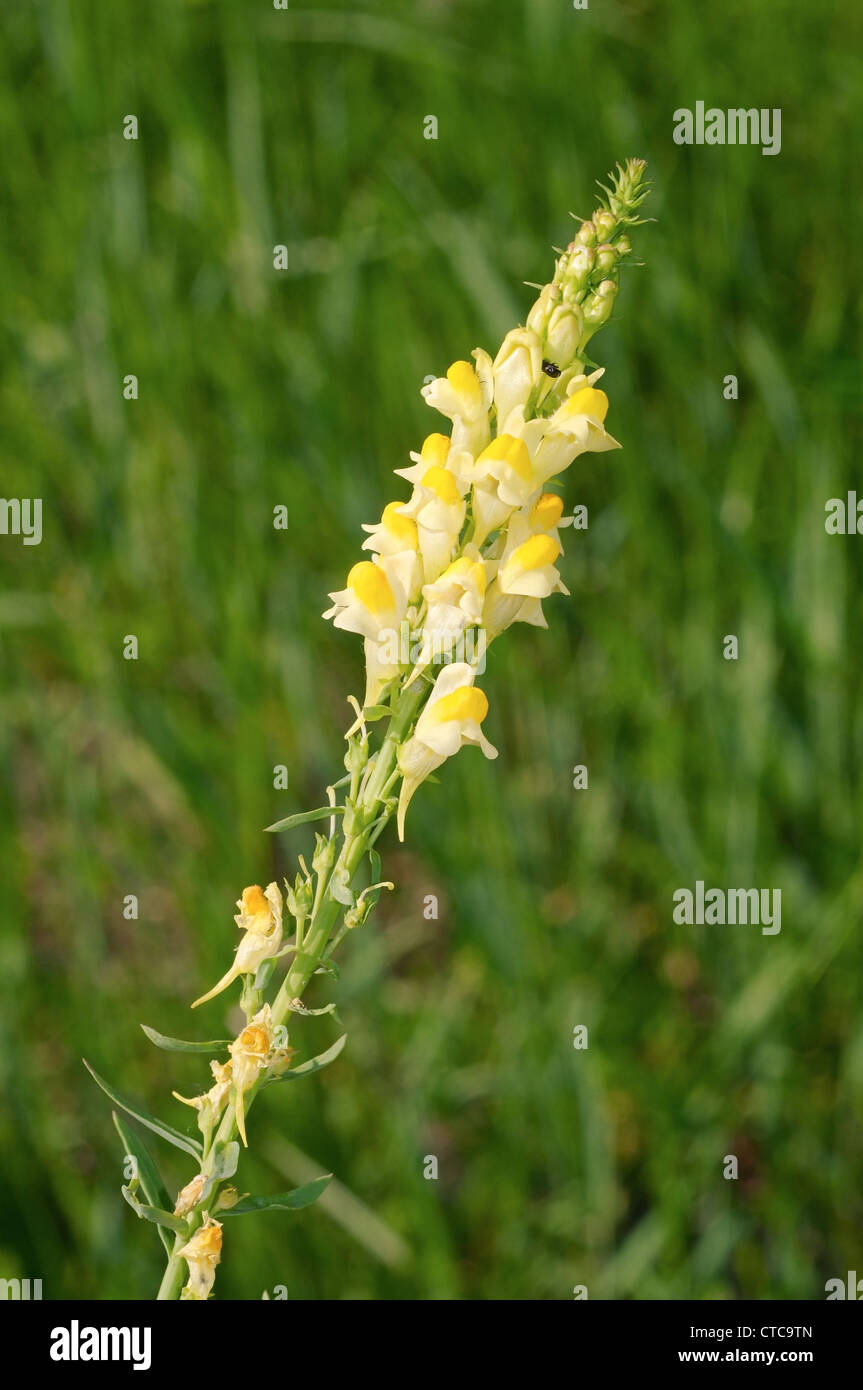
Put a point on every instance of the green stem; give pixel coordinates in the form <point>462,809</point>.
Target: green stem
<point>175,1273</point>
<point>324,917</point>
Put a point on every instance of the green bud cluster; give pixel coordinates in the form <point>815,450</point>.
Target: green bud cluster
<point>581,296</point>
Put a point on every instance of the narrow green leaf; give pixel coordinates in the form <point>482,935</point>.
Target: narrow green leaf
<point>374,712</point>
<point>226,1156</point>
<point>158,1218</point>
<point>282,1201</point>
<point>148,1174</point>
<point>165,1131</point>
<point>179,1045</point>
<point>315,1063</point>
<point>303,818</point>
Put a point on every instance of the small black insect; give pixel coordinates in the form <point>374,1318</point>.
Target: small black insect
<point>550,369</point>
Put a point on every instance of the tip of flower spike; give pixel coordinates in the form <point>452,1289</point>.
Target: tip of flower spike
<point>627,190</point>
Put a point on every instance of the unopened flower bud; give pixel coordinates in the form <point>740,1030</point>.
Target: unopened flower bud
<point>580,263</point>
<point>598,306</point>
<point>563,335</point>
<point>300,897</point>
<point>605,223</point>
<point>227,1198</point>
<point>539,315</point>
<point>606,257</point>
<point>324,855</point>
<point>586,234</point>
<point>623,245</point>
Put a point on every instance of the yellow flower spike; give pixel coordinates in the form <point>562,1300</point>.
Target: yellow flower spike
<point>545,514</point>
<point>588,400</point>
<point>436,447</point>
<point>371,587</point>
<point>202,1254</point>
<point>442,483</point>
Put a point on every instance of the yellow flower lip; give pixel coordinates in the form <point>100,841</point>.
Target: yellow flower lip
<point>254,1040</point>
<point>254,902</point>
<point>507,449</point>
<point>466,703</point>
<point>210,1240</point>
<point>435,450</point>
<point>534,554</point>
<point>439,481</point>
<point>371,587</point>
<point>587,401</point>
<point>404,528</point>
<point>463,379</point>
<point>468,571</point>
<point>547,512</point>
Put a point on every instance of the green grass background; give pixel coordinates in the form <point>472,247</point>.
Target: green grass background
<point>258,388</point>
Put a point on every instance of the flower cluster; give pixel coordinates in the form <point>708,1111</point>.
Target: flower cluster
<point>475,547</point>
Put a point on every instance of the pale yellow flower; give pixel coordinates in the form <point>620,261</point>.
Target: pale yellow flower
<point>454,602</point>
<point>524,564</point>
<point>260,918</point>
<point>576,427</point>
<point>212,1103</point>
<point>451,718</point>
<point>202,1254</point>
<point>190,1195</point>
<point>437,506</point>
<point>503,479</point>
<point>464,396</point>
<point>376,595</point>
<point>254,1051</point>
<point>517,370</point>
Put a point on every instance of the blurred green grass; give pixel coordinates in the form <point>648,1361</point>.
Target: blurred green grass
<point>258,388</point>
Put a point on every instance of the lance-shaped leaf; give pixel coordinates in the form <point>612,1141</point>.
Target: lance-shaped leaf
<point>154,1214</point>
<point>179,1045</point>
<point>314,1064</point>
<point>303,818</point>
<point>222,1164</point>
<point>282,1201</point>
<point>148,1174</point>
<point>165,1131</point>
<point>371,713</point>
